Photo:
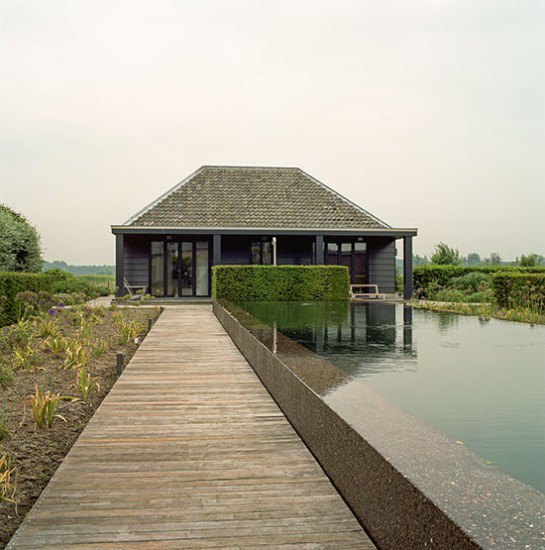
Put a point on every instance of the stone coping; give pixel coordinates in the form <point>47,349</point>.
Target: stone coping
<point>408,484</point>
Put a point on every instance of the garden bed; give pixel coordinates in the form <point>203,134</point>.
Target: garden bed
<point>92,337</point>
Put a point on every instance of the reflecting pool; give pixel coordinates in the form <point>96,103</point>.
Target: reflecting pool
<point>479,381</point>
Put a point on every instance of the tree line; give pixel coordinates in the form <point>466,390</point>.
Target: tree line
<point>444,254</point>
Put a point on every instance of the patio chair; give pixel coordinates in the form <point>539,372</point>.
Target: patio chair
<point>135,291</point>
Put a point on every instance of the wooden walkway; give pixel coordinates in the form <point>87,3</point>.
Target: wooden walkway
<point>189,451</point>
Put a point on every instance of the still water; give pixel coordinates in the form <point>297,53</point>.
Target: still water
<point>479,381</point>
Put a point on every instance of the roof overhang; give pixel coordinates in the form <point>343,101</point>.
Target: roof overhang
<point>378,232</point>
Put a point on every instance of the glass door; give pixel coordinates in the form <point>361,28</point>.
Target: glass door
<point>157,269</point>
<point>180,268</point>
<point>187,281</point>
<point>202,269</point>
<point>172,269</point>
<point>353,255</point>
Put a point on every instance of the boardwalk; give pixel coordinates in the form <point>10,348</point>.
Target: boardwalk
<point>189,451</point>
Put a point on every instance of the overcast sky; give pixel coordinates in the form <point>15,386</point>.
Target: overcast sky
<point>429,114</point>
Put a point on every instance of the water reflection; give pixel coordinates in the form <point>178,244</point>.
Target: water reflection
<point>407,329</point>
<point>480,381</point>
<point>366,338</point>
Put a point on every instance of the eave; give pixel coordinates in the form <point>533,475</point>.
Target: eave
<point>157,230</point>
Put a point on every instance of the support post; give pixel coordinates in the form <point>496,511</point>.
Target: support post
<point>120,363</point>
<point>407,268</point>
<point>319,249</point>
<point>119,264</point>
<point>216,246</point>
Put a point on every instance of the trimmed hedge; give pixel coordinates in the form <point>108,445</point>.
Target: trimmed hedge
<point>526,290</point>
<point>13,283</point>
<point>424,275</point>
<point>269,283</point>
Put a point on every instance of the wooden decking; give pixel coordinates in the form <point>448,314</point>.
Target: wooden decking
<point>189,451</point>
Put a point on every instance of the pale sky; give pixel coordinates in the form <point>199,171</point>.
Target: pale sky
<point>429,114</point>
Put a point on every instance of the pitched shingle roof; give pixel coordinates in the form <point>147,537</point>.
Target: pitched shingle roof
<point>253,197</point>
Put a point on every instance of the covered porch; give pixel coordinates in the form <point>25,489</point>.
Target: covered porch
<point>176,263</point>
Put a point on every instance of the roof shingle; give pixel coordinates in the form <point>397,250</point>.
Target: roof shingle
<point>253,197</point>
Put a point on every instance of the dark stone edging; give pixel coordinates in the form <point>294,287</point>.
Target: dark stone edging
<point>401,503</point>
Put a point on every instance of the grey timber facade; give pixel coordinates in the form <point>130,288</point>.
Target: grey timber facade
<point>235,215</point>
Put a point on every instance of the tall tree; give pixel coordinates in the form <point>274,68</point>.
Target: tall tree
<point>20,248</point>
<point>473,258</point>
<point>528,261</point>
<point>420,260</point>
<point>445,254</point>
<point>495,259</point>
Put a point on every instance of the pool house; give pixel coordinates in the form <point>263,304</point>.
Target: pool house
<point>252,215</point>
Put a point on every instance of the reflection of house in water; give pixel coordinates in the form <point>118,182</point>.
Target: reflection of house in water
<point>374,323</point>
<point>361,338</point>
<point>369,339</point>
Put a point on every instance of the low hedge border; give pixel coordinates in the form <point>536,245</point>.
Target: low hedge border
<point>520,290</point>
<point>269,283</point>
<point>425,275</point>
<point>13,283</point>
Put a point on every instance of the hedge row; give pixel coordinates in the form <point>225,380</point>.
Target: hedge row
<point>526,290</point>
<point>425,275</point>
<point>267,283</point>
<point>13,283</point>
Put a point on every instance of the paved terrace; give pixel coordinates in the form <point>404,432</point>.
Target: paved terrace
<point>188,451</point>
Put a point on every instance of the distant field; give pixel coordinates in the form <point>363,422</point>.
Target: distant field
<point>80,269</point>
<point>99,281</point>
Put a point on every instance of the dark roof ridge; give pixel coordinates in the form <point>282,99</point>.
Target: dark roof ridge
<point>250,167</point>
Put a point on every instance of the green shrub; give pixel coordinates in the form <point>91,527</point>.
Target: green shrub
<point>12,284</point>
<point>74,299</point>
<point>445,255</point>
<point>264,283</point>
<point>475,281</point>
<point>101,284</point>
<point>520,290</point>
<point>6,375</point>
<point>20,249</point>
<point>442,275</point>
<point>91,286</point>
<point>456,295</point>
<point>35,302</point>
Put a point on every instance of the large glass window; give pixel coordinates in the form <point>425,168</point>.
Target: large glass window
<point>346,255</point>
<point>172,269</point>
<point>201,260</point>
<point>157,268</point>
<point>261,252</point>
<point>332,254</point>
<point>256,252</point>
<point>266,253</point>
<point>187,269</point>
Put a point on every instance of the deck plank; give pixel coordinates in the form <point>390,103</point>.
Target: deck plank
<point>189,451</point>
